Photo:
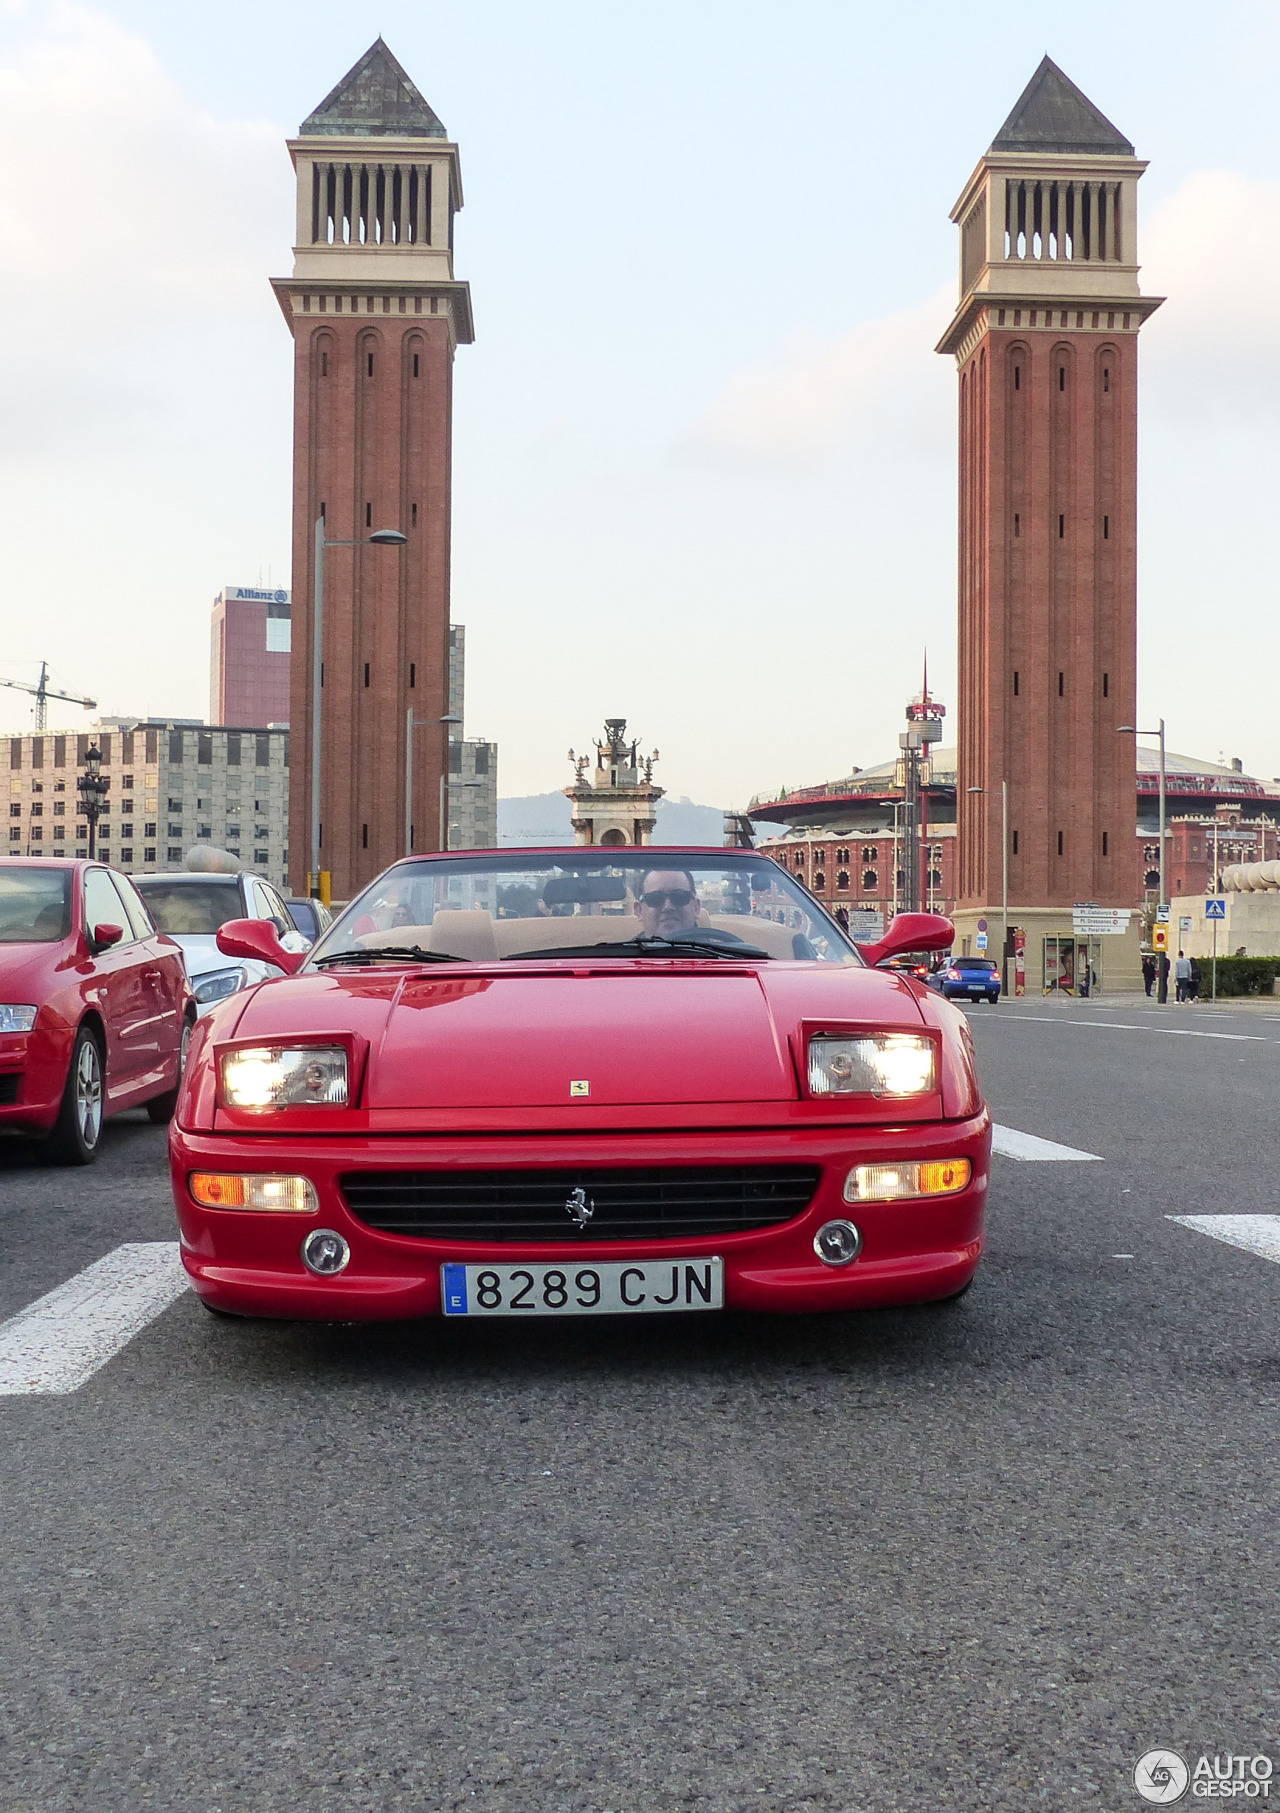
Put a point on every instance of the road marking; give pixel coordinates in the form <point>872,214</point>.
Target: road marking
<point>58,1342</point>
<point>1173,1032</point>
<point>1254,1233</point>
<point>1009,1143</point>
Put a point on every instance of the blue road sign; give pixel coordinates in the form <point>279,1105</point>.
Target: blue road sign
<point>1215,909</point>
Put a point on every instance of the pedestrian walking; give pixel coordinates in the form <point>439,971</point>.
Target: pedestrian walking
<point>1182,976</point>
<point>1149,972</point>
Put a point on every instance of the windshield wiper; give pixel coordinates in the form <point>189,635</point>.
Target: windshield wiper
<point>647,947</point>
<point>387,953</point>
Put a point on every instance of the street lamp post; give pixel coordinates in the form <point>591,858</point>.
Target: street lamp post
<point>92,788</point>
<point>1004,873</point>
<point>450,717</point>
<point>381,538</point>
<point>1162,969</point>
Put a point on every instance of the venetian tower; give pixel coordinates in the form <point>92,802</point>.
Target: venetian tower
<point>375,312</point>
<point>1046,341</point>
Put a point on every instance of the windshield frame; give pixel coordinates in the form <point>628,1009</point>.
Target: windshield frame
<point>582,859</point>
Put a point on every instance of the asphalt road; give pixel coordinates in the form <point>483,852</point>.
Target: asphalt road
<point>979,1556</point>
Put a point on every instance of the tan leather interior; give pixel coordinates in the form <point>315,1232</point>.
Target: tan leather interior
<point>472,935</point>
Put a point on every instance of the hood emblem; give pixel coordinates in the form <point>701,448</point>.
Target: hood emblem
<point>579,1207</point>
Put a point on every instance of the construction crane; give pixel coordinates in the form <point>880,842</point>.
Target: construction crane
<point>44,692</point>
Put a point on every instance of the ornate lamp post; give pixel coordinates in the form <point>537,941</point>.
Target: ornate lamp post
<point>93,786</point>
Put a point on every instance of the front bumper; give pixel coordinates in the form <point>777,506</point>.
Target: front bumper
<point>913,1252</point>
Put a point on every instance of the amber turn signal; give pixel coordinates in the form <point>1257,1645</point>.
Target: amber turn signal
<point>235,1190</point>
<point>893,1183</point>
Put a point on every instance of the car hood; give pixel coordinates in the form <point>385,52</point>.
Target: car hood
<point>532,1036</point>
<point>201,954</point>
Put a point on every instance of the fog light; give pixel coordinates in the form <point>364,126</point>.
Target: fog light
<point>325,1252</point>
<point>893,1183</point>
<point>837,1242</point>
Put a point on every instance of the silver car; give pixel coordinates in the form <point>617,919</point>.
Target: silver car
<point>191,907</point>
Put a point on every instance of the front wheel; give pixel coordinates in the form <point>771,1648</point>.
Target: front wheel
<point>77,1132</point>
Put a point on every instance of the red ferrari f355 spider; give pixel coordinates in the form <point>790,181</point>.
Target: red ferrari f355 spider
<point>580,1082</point>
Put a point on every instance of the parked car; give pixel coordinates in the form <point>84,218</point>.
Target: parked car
<point>310,916</point>
<point>656,1080</point>
<point>190,907</point>
<point>967,979</point>
<point>911,963</point>
<point>95,1011</point>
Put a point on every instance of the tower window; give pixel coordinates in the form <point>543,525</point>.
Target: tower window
<point>324,365</point>
<point>415,365</point>
<point>1106,528</point>
<point>1017,524</point>
<point>1059,843</point>
<point>370,364</point>
<point>1061,685</point>
<point>366,673</point>
<point>1062,377</point>
<point>1015,843</point>
<point>1015,683</point>
<point>1017,377</point>
<point>1062,527</point>
<point>364,837</point>
<point>1106,377</point>
<point>368,516</point>
<point>1104,843</point>
<point>1106,686</point>
<point>413,673</point>
<point>413,516</point>
<point>322,513</point>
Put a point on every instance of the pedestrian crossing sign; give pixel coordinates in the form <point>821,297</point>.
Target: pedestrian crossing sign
<point>1215,909</point>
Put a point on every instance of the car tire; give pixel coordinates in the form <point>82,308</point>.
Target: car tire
<point>77,1132</point>
<point>160,1108</point>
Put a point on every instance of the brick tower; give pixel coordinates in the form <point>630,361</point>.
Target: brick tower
<point>1046,342</point>
<point>375,315</point>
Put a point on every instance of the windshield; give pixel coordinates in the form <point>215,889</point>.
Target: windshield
<point>193,908</point>
<point>639,903</point>
<point>35,905</point>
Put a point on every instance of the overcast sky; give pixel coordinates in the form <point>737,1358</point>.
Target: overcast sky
<point>704,451</point>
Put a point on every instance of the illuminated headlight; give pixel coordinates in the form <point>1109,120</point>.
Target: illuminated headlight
<point>270,1194</point>
<point>217,985</point>
<point>16,1018</point>
<point>285,1076</point>
<point>891,1183</point>
<point>894,1064</point>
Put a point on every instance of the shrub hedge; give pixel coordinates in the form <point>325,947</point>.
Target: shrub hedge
<point>1238,975</point>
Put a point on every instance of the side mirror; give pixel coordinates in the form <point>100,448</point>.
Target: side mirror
<point>911,932</point>
<point>104,936</point>
<point>258,939</point>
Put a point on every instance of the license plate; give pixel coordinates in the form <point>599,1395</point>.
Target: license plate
<point>610,1289</point>
<point>977,991</point>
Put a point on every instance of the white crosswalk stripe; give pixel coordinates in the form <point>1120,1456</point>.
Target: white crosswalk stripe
<point>1007,1142</point>
<point>1258,1234</point>
<point>59,1341</point>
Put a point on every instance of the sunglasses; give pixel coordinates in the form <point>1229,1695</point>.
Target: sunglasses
<point>678,897</point>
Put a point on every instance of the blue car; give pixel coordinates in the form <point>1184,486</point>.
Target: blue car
<point>967,979</point>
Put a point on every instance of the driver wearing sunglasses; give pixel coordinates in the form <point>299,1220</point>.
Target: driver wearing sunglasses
<point>667,904</point>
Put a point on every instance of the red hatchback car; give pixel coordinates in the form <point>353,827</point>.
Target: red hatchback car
<point>580,1082</point>
<point>95,1012</point>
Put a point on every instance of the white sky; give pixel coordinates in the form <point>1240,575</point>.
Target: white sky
<point>704,452</point>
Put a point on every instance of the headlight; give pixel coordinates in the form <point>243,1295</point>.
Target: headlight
<point>285,1076</point>
<point>894,1064</point>
<point>217,985</point>
<point>15,1018</point>
<point>222,1190</point>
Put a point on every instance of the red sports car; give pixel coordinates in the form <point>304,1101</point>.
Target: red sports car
<point>573,1082</point>
<point>95,1010</point>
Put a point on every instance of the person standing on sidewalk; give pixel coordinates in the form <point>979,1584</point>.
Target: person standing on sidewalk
<point>1148,973</point>
<point>1182,976</point>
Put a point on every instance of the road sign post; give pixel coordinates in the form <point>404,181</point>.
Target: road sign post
<point>1214,911</point>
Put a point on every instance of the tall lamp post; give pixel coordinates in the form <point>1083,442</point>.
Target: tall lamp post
<point>1004,873</point>
<point>1162,969</point>
<point>450,717</point>
<point>381,538</point>
<point>93,787</point>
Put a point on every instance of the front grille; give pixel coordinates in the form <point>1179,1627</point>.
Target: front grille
<point>661,1202</point>
<point>10,1084</point>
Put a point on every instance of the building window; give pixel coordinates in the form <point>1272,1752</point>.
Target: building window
<point>819,881</point>
<point>366,673</point>
<point>1015,843</point>
<point>1151,879</point>
<point>870,853</point>
<point>261,858</point>
<point>413,665</point>
<point>368,516</point>
<point>15,834</point>
<point>175,853</point>
<point>175,830</point>
<point>204,749</point>
<point>262,755</point>
<point>37,832</point>
<point>37,810</point>
<point>204,832</point>
<point>60,808</point>
<point>482,758</point>
<point>15,752</point>
<point>842,878</point>
<point>1061,684</point>
<point>59,752</point>
<point>870,881</point>
<point>126,856</point>
<point>175,748</point>
<point>126,782</point>
<point>370,364</point>
<point>233,743</point>
<point>148,855</point>
<point>1059,843</point>
<point>842,856</point>
<point>364,837</point>
<point>1104,843</point>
